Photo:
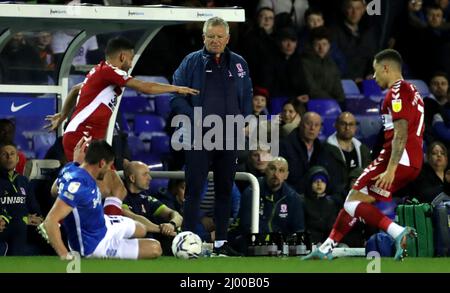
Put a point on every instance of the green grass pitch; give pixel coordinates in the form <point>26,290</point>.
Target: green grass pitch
<point>224,265</point>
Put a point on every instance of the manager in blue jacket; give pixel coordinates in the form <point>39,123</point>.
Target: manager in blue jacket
<point>225,89</point>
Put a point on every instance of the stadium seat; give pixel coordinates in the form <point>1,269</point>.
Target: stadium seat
<point>160,144</point>
<point>350,87</point>
<point>135,145</point>
<point>421,87</point>
<point>153,78</point>
<point>162,105</point>
<point>75,79</point>
<point>371,88</point>
<point>157,184</point>
<point>362,106</point>
<point>325,107</point>
<point>276,104</point>
<point>368,128</point>
<point>148,123</point>
<point>135,105</point>
<point>42,142</point>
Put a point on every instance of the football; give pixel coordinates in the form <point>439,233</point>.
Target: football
<point>187,245</point>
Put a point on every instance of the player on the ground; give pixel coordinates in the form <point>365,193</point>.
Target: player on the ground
<point>89,231</point>
<point>97,95</point>
<point>399,162</point>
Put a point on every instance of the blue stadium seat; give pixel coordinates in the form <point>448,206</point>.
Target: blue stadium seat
<point>135,105</point>
<point>160,144</point>
<point>371,88</point>
<point>157,184</point>
<point>350,87</point>
<point>368,128</point>
<point>148,123</point>
<point>363,106</point>
<point>421,86</point>
<point>325,107</point>
<point>42,142</point>
<point>162,105</point>
<point>135,145</point>
<point>153,78</point>
<point>75,79</point>
<point>276,104</point>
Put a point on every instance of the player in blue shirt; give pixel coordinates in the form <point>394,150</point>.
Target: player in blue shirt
<point>89,231</point>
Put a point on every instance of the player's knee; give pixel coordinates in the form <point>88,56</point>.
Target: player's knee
<point>149,248</point>
<point>140,231</point>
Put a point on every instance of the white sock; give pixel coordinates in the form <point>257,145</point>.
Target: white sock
<point>327,246</point>
<point>395,229</point>
<point>219,243</point>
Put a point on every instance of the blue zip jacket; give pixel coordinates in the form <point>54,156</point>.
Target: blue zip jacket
<point>191,73</point>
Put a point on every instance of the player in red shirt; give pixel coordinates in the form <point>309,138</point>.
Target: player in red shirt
<point>399,162</point>
<point>97,98</point>
<point>97,95</point>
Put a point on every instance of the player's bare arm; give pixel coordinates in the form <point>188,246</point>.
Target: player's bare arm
<point>154,88</point>
<point>70,102</point>
<point>173,218</point>
<point>385,179</point>
<point>149,225</point>
<point>59,211</point>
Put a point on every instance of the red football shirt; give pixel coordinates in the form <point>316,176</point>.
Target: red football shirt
<point>403,101</point>
<point>97,100</point>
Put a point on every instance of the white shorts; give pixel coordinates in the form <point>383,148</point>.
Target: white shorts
<point>116,243</point>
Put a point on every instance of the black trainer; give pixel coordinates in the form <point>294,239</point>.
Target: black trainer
<point>225,250</point>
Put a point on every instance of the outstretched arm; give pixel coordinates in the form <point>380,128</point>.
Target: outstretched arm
<point>59,211</point>
<point>149,225</point>
<point>154,88</point>
<point>56,119</point>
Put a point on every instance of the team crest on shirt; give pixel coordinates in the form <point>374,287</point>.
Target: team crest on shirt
<point>241,72</point>
<point>283,211</point>
<point>23,191</point>
<point>73,187</point>
<point>396,105</point>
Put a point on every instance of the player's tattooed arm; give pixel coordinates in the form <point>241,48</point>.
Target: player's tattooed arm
<point>385,179</point>
<point>398,142</point>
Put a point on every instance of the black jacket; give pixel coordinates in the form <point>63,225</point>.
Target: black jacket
<point>293,149</point>
<point>16,196</point>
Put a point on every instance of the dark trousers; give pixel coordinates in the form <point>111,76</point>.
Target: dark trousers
<point>198,163</point>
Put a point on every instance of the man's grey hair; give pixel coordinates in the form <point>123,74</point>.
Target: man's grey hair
<point>216,21</point>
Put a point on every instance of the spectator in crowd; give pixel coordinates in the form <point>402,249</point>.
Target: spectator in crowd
<point>138,200</point>
<point>148,209</point>
<point>259,102</point>
<point>356,40</point>
<point>431,180</point>
<point>303,149</point>
<point>62,39</point>
<point>280,208</point>
<point>18,205</point>
<point>314,19</point>
<point>22,62</point>
<point>290,117</point>
<point>43,44</point>
<point>435,103</point>
<point>259,46</point>
<point>226,90</point>
<point>321,72</point>
<point>7,133</point>
<point>255,164</point>
<point>345,152</point>
<point>287,78</point>
<point>295,10</point>
<point>320,208</point>
<point>173,196</point>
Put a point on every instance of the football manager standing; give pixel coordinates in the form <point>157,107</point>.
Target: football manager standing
<point>225,89</point>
